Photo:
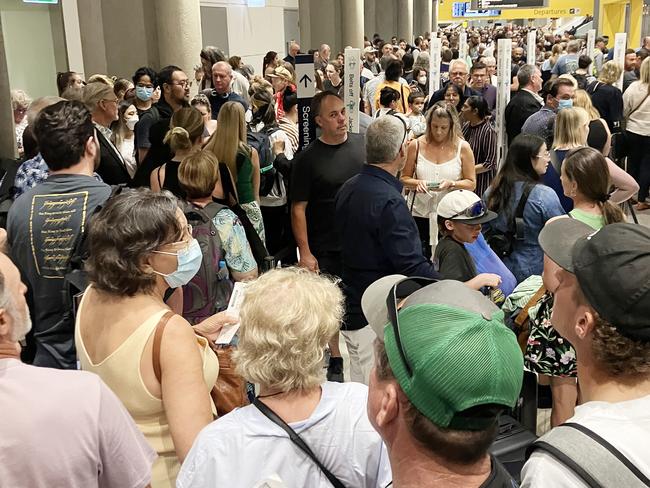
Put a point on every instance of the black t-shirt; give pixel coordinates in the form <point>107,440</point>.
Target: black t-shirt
<point>454,262</point>
<point>318,173</point>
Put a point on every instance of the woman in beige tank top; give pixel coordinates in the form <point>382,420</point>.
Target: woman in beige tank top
<point>140,245</point>
<point>437,162</point>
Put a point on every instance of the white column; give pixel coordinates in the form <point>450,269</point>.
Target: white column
<point>179,33</point>
<point>352,23</point>
<point>405,20</point>
<point>370,17</point>
<point>423,9</point>
<point>72,36</point>
<point>434,16</point>
<point>8,147</point>
<point>620,43</point>
<point>304,21</point>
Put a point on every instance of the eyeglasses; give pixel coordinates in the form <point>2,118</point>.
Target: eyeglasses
<point>401,290</point>
<point>545,154</point>
<point>183,83</point>
<point>477,209</point>
<point>188,229</point>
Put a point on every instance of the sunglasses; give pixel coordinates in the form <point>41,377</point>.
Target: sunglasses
<point>477,209</point>
<point>398,292</point>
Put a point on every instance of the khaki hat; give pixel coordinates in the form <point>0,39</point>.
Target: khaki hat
<point>281,72</point>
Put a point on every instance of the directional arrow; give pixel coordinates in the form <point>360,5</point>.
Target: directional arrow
<point>305,80</point>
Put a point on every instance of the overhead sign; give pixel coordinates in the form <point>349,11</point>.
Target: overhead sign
<point>464,9</point>
<point>46,2</point>
<point>352,87</point>
<point>305,80</point>
<point>498,4</point>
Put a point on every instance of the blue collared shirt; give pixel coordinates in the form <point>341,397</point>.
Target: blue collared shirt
<point>378,236</point>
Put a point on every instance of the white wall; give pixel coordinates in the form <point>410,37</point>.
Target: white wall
<point>30,47</point>
<point>253,31</point>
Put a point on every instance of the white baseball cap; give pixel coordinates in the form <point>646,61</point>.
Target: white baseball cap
<point>464,206</point>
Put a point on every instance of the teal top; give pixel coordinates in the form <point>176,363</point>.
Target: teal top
<point>592,220</point>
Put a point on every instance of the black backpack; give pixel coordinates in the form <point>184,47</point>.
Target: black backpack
<point>208,292</point>
<point>262,144</point>
<point>502,243</point>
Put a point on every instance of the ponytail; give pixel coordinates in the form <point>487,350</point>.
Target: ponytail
<point>178,139</point>
<point>611,213</point>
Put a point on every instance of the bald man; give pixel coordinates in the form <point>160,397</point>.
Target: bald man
<point>222,92</point>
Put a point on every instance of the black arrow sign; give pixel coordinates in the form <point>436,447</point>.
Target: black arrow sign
<point>305,80</point>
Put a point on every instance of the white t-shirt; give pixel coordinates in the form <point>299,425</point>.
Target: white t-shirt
<point>244,447</point>
<point>625,425</point>
<point>67,428</point>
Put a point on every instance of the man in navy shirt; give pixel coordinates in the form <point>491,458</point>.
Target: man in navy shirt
<point>378,235</point>
<point>222,92</point>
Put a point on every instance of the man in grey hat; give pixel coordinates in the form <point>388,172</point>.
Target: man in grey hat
<point>602,306</point>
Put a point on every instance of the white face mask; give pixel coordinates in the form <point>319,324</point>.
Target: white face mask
<point>130,122</point>
<point>422,80</point>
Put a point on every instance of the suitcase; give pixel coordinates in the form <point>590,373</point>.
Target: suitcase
<point>510,445</point>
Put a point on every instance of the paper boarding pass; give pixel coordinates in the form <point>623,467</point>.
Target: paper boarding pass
<point>236,299</point>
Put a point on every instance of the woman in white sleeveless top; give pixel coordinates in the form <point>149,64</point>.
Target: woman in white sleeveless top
<point>438,162</point>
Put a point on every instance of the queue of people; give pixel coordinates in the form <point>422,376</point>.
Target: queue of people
<point>202,270</point>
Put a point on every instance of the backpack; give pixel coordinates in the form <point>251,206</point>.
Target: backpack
<point>210,289</point>
<point>502,243</point>
<point>268,174</point>
<point>590,457</point>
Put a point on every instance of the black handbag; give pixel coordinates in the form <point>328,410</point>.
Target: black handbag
<point>502,243</point>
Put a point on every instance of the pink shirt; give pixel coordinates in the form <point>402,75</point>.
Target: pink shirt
<point>67,428</point>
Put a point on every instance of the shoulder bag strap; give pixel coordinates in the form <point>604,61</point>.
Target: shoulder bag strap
<point>639,105</point>
<point>297,440</point>
<point>523,315</point>
<point>157,340</point>
<point>415,172</point>
<point>519,213</point>
<point>590,457</point>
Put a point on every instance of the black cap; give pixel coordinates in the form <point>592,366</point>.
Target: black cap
<point>612,267</point>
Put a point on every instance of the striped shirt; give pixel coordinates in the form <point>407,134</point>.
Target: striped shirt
<point>291,129</point>
<point>482,138</point>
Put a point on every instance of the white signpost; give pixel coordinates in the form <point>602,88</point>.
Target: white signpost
<point>352,82</point>
<point>620,42</point>
<point>462,46</point>
<point>306,91</point>
<point>504,67</point>
<point>434,64</point>
<point>531,44</point>
<point>591,45</point>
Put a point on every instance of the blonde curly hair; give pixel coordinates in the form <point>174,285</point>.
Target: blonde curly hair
<point>287,318</point>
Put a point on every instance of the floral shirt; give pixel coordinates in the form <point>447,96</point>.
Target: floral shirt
<point>238,254</point>
<point>31,173</point>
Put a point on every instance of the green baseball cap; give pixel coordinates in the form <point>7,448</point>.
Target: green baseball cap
<point>461,354</point>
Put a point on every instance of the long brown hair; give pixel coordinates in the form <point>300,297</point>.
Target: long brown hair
<point>587,167</point>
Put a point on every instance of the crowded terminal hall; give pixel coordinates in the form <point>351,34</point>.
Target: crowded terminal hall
<point>324,243</point>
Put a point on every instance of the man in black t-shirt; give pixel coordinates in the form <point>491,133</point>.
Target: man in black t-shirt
<point>318,173</point>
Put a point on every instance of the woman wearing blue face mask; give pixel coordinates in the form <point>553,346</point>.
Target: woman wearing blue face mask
<point>140,246</point>
<point>145,82</point>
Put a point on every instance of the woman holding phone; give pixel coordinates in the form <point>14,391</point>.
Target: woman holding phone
<point>437,162</point>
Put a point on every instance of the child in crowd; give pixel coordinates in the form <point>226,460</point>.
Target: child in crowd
<point>460,215</point>
<point>415,115</point>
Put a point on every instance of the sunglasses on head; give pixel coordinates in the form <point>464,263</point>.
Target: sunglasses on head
<point>477,209</point>
<point>401,290</point>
